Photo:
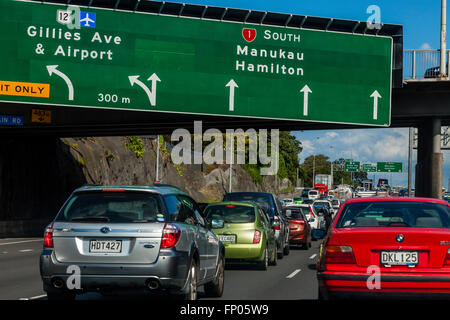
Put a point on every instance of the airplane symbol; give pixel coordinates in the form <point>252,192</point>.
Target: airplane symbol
<point>87,22</point>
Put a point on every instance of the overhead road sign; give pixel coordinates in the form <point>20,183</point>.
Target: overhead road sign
<point>352,166</point>
<point>368,167</point>
<point>121,60</point>
<point>389,167</point>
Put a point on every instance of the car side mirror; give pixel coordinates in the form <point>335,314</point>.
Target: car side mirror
<point>275,223</point>
<point>311,220</point>
<point>217,224</point>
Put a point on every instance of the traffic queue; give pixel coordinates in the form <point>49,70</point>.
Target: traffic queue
<point>158,239</point>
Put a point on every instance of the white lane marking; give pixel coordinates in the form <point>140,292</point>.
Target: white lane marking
<point>32,298</point>
<point>4,244</point>
<point>293,274</point>
<point>26,250</point>
<point>313,256</point>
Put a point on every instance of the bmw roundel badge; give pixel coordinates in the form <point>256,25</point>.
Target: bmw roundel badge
<point>400,238</point>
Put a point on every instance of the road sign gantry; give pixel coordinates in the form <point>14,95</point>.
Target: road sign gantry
<point>98,58</point>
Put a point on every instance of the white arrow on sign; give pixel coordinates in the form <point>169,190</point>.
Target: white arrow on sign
<point>53,69</point>
<point>375,95</point>
<point>232,84</point>
<point>306,91</point>
<point>150,94</point>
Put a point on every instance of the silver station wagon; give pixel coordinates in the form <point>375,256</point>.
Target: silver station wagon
<point>127,237</point>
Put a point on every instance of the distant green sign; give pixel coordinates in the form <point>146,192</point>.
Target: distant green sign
<point>100,58</point>
<point>352,166</point>
<point>368,167</point>
<point>389,167</point>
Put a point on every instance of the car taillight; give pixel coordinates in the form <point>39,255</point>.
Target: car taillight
<point>339,254</point>
<point>312,212</point>
<point>447,258</point>
<point>277,223</point>
<point>171,235</point>
<point>257,236</point>
<point>48,236</point>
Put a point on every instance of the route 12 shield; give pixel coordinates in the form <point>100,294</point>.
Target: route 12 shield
<point>249,34</point>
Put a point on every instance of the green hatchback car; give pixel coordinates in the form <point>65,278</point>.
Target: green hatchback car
<point>246,232</point>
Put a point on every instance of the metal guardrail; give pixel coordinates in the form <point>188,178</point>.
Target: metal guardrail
<point>422,64</point>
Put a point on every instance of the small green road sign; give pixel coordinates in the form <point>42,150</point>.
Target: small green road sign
<point>389,167</point>
<point>100,58</point>
<point>368,167</point>
<point>352,166</point>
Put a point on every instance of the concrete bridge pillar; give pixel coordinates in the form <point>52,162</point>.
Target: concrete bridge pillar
<point>429,160</point>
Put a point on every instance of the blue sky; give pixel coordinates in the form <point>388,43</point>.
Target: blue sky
<point>421,22</point>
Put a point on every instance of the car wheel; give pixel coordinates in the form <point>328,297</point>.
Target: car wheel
<point>191,293</point>
<point>215,288</point>
<point>280,253</point>
<point>274,261</point>
<point>265,262</point>
<point>286,249</point>
<point>61,296</point>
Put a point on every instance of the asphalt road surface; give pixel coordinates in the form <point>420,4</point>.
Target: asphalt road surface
<point>293,278</point>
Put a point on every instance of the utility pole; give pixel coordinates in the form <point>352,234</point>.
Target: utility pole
<point>314,170</point>
<point>157,159</point>
<point>231,163</point>
<point>410,152</point>
<point>443,69</point>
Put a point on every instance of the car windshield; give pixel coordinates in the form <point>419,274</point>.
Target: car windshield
<point>313,193</point>
<point>121,207</point>
<point>230,213</point>
<point>308,201</point>
<point>262,200</point>
<point>395,214</point>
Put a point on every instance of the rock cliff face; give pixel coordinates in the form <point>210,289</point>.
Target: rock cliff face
<point>37,175</point>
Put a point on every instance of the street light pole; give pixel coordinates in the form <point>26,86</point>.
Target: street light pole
<point>314,170</point>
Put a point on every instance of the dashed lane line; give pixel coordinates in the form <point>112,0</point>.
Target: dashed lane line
<point>33,298</point>
<point>293,274</point>
<point>313,256</point>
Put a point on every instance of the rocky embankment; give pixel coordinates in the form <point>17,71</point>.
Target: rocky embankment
<point>37,175</point>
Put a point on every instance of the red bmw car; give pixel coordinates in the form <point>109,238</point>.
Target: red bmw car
<point>387,247</point>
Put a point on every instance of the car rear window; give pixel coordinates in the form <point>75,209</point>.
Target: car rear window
<point>296,213</point>
<point>322,203</point>
<point>121,207</point>
<point>394,214</point>
<point>335,202</point>
<point>313,192</point>
<point>230,213</point>
<point>262,200</point>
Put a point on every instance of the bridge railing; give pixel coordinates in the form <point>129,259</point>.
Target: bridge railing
<point>422,63</point>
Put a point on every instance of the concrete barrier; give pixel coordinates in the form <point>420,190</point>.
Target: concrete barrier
<point>23,228</point>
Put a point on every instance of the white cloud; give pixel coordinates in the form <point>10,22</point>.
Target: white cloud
<point>425,46</point>
<point>332,134</point>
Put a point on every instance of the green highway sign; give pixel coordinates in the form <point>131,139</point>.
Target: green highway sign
<point>98,58</point>
<point>389,167</point>
<point>368,167</point>
<point>352,166</point>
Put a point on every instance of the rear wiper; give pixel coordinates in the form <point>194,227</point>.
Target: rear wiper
<point>99,218</point>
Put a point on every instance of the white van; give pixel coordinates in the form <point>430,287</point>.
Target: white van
<point>313,194</point>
